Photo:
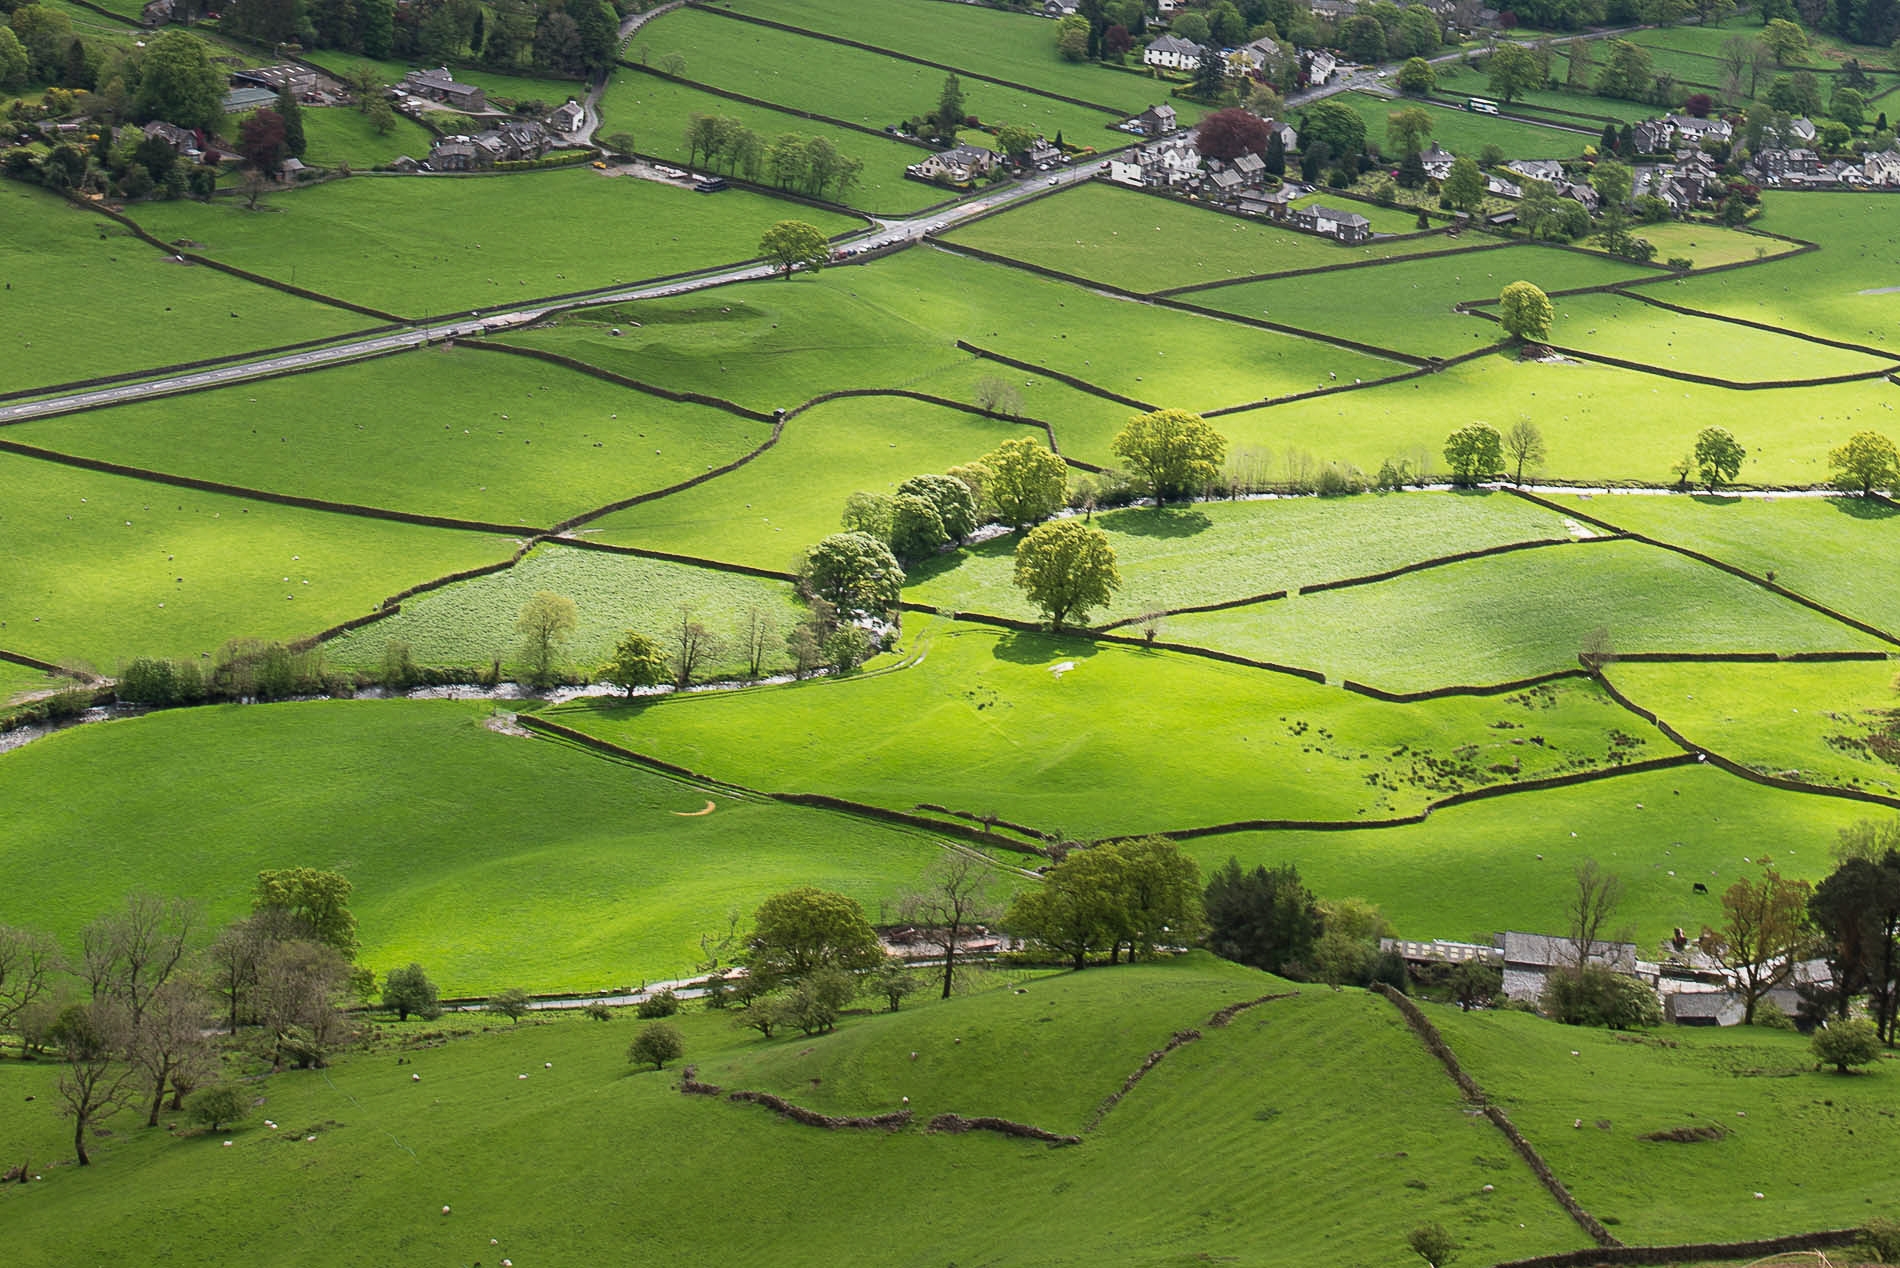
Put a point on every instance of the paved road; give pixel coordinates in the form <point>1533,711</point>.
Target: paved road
<point>881,233</point>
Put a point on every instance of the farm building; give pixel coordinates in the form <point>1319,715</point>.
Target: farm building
<point>439,85</point>
<point>298,80</point>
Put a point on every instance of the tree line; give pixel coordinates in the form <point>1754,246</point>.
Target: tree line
<point>562,37</point>
<point>803,164</point>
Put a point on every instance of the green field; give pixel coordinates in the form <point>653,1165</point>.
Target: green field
<point>17,680</point>
<point>1463,132</point>
<point>1512,616</point>
<point>1797,541</point>
<point>1032,749</point>
<point>106,568</point>
<point>846,83</point>
<point>1610,325</point>
<point>1707,246</point>
<point>1471,871</point>
<point>1845,733</point>
<point>468,849</point>
<point>342,135</point>
<point>56,258</point>
<point>472,622</point>
<point>379,241</point>
<point>655,112</point>
<point>1187,555</point>
<point>496,85</point>
<point>1787,1124</point>
<point>769,511</point>
<point>473,435</point>
<point>1117,235</point>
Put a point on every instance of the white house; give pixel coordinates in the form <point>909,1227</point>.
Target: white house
<point>1319,65</point>
<point>1170,53</point>
<point>1882,170</point>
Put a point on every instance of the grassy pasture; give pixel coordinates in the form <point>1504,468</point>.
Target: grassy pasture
<point>99,568</point>
<point>474,621</point>
<point>1463,132</point>
<point>1599,423</point>
<point>1633,331</point>
<point>655,112</point>
<point>769,511</point>
<point>1815,1146</point>
<point>379,241</point>
<point>1009,46</point>
<point>847,83</point>
<point>1839,292</point>
<point>1844,552</point>
<point>494,83</point>
<point>341,134</point>
<point>498,1150</point>
<point>16,680</point>
<point>1032,746</point>
<point>1470,871</point>
<point>1135,240</point>
<point>1810,722</point>
<point>57,260</point>
<point>1710,245</point>
<point>1187,555</point>
<point>1512,616</point>
<point>462,433</point>
<point>1383,219</point>
<point>464,845</point>
<point>1360,304</point>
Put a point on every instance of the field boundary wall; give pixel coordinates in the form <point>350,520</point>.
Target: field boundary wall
<point>1692,1252</point>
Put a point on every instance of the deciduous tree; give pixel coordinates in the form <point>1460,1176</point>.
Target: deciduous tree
<point>1514,71</point>
<point>1765,925</point>
<point>178,82</point>
<point>955,896</point>
<point>1175,452</point>
<point>1230,133</point>
<point>94,1081</point>
<point>1417,78</point>
<point>1027,483</point>
<point>1474,452</point>
<point>315,903</point>
<point>1524,442</point>
<point>409,990</point>
<point>1868,461</point>
<point>854,572</point>
<point>1525,312</point>
<point>1718,456</point>
<point>658,1042</point>
<point>546,622</point>
<point>29,962</point>
<point>1407,130</point>
<point>1465,186</point>
<point>790,243</point>
<point>802,930</point>
<point>638,661</point>
<point>1843,1044</point>
<point>1065,568</point>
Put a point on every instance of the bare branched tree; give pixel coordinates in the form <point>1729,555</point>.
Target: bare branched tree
<point>956,896</point>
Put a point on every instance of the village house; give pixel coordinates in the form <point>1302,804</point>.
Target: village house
<point>1318,66</point>
<point>1289,136</point>
<point>1437,162</point>
<point>1170,53</point>
<point>1251,168</point>
<point>1125,173</point>
<point>1550,171</point>
<point>1170,164</point>
<point>1057,8</point>
<point>1156,121</point>
<point>1345,226</point>
<point>179,139</point>
<point>961,165</point>
<point>1774,166</point>
<point>1333,10</point>
<point>567,118</point>
<point>1225,184</point>
<point>439,85</point>
<point>1698,130</point>
<point>510,143</point>
<point>1653,136</point>
<point>1529,958</point>
<point>1882,170</point>
<point>1042,154</point>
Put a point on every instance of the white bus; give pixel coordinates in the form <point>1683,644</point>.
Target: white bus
<point>1479,105</point>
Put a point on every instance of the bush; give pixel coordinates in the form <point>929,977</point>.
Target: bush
<point>1768,1016</point>
<point>408,991</point>
<point>599,1012</point>
<point>1880,1241</point>
<point>511,1003</point>
<point>1847,1043</point>
<point>1431,1243</point>
<point>213,1107</point>
<point>1598,997</point>
<point>658,1042</point>
<point>661,1004</point>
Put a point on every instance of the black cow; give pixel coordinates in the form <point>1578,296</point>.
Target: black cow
<point>1699,888</point>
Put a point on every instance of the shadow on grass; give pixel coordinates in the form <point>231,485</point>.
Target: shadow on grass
<point>1182,521</point>
<point>1862,508</point>
<point>1021,648</point>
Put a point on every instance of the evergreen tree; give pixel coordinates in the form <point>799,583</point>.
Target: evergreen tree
<point>292,116</point>
<point>1276,154</point>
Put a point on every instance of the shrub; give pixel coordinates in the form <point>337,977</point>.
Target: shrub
<point>599,1012</point>
<point>661,1004</point>
<point>1768,1016</point>
<point>511,1003</point>
<point>1847,1043</point>
<point>213,1107</point>
<point>1598,997</point>
<point>1432,1243</point>
<point>1880,1241</point>
<point>658,1042</point>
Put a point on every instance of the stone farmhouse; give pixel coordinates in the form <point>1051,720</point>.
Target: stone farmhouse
<point>509,143</point>
<point>960,165</point>
<point>439,85</point>
<point>1155,121</point>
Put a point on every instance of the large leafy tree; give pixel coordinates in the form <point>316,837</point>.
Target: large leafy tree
<point>1408,130</point>
<point>638,661</point>
<point>409,990</point>
<point>1065,568</point>
<point>1335,125</point>
<point>1465,186</point>
<point>1474,452</point>
<point>1268,919</point>
<point>1866,462</point>
<point>1856,910</point>
<point>1515,70</point>
<point>178,83</point>
<point>545,624</point>
<point>1076,912</point>
<point>1175,452</point>
<point>790,243</point>
<point>1230,133</point>
<point>1764,928</point>
<point>949,497</point>
<point>853,572</point>
<point>1525,312</point>
<point>317,901</point>
<point>803,930</point>
<point>1026,482</point>
<point>1717,456</point>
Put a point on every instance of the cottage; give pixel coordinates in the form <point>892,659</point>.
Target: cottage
<point>180,141</point>
<point>1057,8</point>
<point>1687,125</point>
<point>439,85</point>
<point>1501,187</point>
<point>1437,161</point>
<point>962,165</point>
<point>1333,10</point>
<point>1550,171</point>
<point>1289,137</point>
<point>1801,131</point>
<point>1156,121</point>
<point>1125,173</point>
<point>568,118</point>
<point>1250,168</point>
<point>297,80</point>
<point>1227,183</point>
<point>1345,226</point>
<point>458,154</point>
<point>1042,154</point>
<point>1578,192</point>
<point>1318,66</point>
<point>1652,136</point>
<point>1171,53</point>
<point>1882,170</point>
<point>1277,204</point>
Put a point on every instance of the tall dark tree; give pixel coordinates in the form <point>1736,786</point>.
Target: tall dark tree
<point>261,141</point>
<point>292,115</point>
<point>1856,910</point>
<point>1268,919</point>
<point>1276,154</point>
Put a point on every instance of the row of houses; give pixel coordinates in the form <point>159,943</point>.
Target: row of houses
<point>511,142</point>
<point>1170,52</point>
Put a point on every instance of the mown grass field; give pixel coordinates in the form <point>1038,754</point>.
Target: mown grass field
<point>16,680</point>
<point>463,433</point>
<point>341,134</point>
<point>1034,749</point>
<point>1360,304</point>
<point>499,1150</point>
<point>57,258</point>
<point>466,847</point>
<point>1840,292</point>
<point>1633,331</point>
<point>1470,871</point>
<point>106,568</point>
<point>1145,243</point>
<point>1513,616</point>
<point>847,83</point>
<point>1748,713</point>
<point>655,112</point>
<point>1813,1145</point>
<point>769,511</point>
<point>1463,132</point>
<point>473,622</point>
<point>1839,551</point>
<point>378,240</point>
<point>1182,556</point>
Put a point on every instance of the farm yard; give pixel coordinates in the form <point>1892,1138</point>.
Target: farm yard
<point>579,585</point>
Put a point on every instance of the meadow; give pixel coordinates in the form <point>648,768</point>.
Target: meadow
<point>850,84</point>
<point>766,513</point>
<point>377,240</point>
<point>1463,132</point>
<point>1028,708</point>
<point>1844,552</point>
<point>1181,556</point>
<point>1471,871</point>
<point>1513,616</point>
<point>18,680</point>
<point>464,845</point>
<point>473,622</point>
<point>499,87</point>
<point>1611,325</point>
<point>1742,712</point>
<point>455,432</point>
<point>105,568</point>
<point>340,135</point>
<point>1103,232</point>
<point>500,1151</point>
<point>56,257</point>
<point>1813,1145</point>
<point>655,112</point>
